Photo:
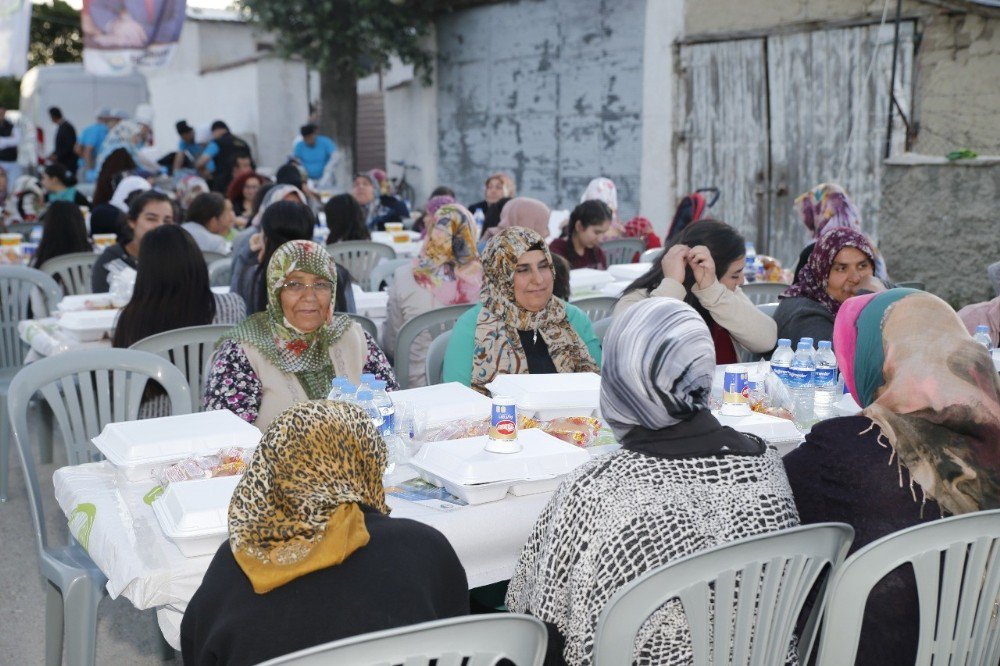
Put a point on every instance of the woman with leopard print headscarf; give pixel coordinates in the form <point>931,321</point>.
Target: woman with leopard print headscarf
<point>519,327</point>
<point>292,351</point>
<point>682,483</point>
<point>312,554</point>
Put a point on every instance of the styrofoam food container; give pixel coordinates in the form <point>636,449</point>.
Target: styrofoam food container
<point>371,303</point>
<point>581,279</point>
<point>551,396</point>
<point>136,447</point>
<point>615,288</point>
<point>443,403</point>
<point>88,325</point>
<point>479,493</point>
<point>466,461</point>
<point>81,301</point>
<point>628,272</point>
<point>846,406</point>
<point>195,514</point>
<point>772,429</point>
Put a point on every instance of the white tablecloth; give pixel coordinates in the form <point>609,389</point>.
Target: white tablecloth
<point>119,530</point>
<point>410,249</point>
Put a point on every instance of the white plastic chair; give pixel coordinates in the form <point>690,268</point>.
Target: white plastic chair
<point>73,271</point>
<point>86,389</point>
<point>601,327</point>
<point>763,292</point>
<point>650,256</point>
<point>220,271</point>
<point>956,562</point>
<point>367,324</point>
<point>16,286</point>
<point>434,366</point>
<point>481,639</point>
<point>741,599</point>
<point>596,307</point>
<point>191,350</point>
<point>623,250</point>
<point>435,322</point>
<point>360,257</point>
<point>212,257</point>
<point>384,272</point>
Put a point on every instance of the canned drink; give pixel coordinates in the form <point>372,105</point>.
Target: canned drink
<point>735,386</point>
<point>503,419</point>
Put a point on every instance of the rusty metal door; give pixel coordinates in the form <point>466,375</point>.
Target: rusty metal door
<point>722,139</point>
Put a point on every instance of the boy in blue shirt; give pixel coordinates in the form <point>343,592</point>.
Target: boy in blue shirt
<point>90,142</point>
<point>314,151</point>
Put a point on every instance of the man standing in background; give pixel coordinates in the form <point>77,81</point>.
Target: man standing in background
<point>10,137</point>
<point>89,145</point>
<point>65,152</point>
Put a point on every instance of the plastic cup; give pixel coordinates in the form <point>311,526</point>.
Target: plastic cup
<point>105,240</point>
<point>11,240</point>
<point>394,227</point>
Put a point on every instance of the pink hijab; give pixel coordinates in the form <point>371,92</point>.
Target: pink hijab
<point>845,337</point>
<point>523,212</point>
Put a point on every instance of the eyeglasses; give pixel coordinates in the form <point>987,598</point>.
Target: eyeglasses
<point>321,288</point>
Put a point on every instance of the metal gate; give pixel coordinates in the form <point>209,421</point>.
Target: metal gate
<point>766,118</point>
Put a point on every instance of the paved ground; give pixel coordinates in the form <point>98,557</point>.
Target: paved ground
<point>124,635</point>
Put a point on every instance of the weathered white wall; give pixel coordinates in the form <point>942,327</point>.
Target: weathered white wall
<point>411,129</point>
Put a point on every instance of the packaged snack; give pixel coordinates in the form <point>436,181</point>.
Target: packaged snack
<point>578,430</point>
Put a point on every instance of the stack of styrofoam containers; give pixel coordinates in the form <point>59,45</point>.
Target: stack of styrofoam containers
<point>84,302</point>
<point>468,471</point>
<point>551,396</point>
<point>582,280</point>
<point>443,403</point>
<point>194,514</point>
<point>88,325</point>
<point>629,272</point>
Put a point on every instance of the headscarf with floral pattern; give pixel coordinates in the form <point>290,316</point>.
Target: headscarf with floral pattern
<point>448,265</point>
<point>815,276</point>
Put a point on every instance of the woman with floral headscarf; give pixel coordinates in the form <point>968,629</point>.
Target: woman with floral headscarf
<point>447,272</point>
<point>682,483</point>
<point>924,444</point>
<point>519,327</point>
<point>312,554</point>
<point>841,266</point>
<point>373,192</point>
<point>292,350</point>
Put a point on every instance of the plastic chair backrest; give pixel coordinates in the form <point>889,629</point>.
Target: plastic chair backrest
<point>220,271</point>
<point>740,599</point>
<point>622,250</point>
<point>436,322</point>
<point>367,324</point>
<point>763,292</point>
<point>360,257</point>
<point>768,308</point>
<point>190,349</point>
<point>16,285</point>
<point>481,639</point>
<point>435,358</point>
<point>601,327</point>
<point>212,257</point>
<point>650,256</point>
<point>596,307</point>
<point>86,389</point>
<point>956,562</point>
<point>384,271</point>
<point>73,270</point>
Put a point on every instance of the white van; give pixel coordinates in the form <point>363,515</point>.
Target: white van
<point>78,94</point>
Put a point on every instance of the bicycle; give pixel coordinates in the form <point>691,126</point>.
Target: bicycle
<point>403,188</point>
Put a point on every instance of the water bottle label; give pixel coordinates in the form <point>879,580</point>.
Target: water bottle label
<point>780,371</point>
<point>825,376</point>
<point>799,378</point>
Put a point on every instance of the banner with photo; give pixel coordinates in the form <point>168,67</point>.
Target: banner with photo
<point>119,35</point>
<point>15,33</point>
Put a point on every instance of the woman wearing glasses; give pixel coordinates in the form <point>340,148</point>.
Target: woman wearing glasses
<point>291,351</point>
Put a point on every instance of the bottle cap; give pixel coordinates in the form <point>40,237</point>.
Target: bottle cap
<point>809,340</point>
<point>825,344</point>
<point>348,387</point>
<point>784,342</point>
<point>803,346</point>
<point>982,328</point>
<point>378,385</point>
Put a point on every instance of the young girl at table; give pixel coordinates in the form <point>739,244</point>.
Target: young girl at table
<point>63,232</point>
<point>580,243</point>
<point>703,266</point>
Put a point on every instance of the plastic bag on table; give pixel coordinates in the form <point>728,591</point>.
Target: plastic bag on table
<point>121,282</point>
<point>230,461</point>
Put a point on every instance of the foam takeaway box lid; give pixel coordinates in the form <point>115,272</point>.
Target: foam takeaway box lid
<point>131,444</point>
<point>78,302</point>
<point>466,461</point>
<point>567,391</point>
<point>194,514</point>
<point>628,272</point>
<point>443,403</point>
<point>588,278</point>
<point>88,325</point>
<point>772,429</point>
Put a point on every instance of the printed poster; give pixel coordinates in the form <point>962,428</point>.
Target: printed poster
<point>15,33</point>
<point>119,35</point>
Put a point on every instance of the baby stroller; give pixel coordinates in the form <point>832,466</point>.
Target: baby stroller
<point>690,210</point>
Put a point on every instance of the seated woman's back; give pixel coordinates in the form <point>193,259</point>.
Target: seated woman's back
<point>346,567</point>
<point>681,484</point>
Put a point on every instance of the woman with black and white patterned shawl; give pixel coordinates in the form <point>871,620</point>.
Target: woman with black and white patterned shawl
<point>682,483</point>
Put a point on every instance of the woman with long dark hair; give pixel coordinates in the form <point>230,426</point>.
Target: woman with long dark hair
<point>147,211</point>
<point>59,184</point>
<point>118,161</point>
<point>703,266</point>
<point>172,294</point>
<point>346,219</point>
<point>63,232</point>
<point>580,243</point>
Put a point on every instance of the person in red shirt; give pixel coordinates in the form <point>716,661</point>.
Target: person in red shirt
<point>580,243</point>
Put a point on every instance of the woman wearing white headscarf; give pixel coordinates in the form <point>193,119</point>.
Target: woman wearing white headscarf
<point>682,483</point>
<point>604,189</point>
<point>125,189</point>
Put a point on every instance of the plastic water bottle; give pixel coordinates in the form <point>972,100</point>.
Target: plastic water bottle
<point>800,385</point>
<point>480,219</point>
<point>751,251</point>
<point>366,401</point>
<point>385,406</point>
<point>749,271</point>
<point>781,359</point>
<point>825,381</point>
<point>348,392</point>
<point>982,336</point>
<point>335,389</point>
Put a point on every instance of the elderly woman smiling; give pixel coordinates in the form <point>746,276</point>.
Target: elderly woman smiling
<point>519,328</point>
<point>290,352</point>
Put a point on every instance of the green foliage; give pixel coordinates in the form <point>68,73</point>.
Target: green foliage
<point>357,36</point>
<point>55,34</point>
<point>10,92</point>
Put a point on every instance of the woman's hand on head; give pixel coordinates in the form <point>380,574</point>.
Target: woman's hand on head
<point>703,266</point>
<point>674,262</point>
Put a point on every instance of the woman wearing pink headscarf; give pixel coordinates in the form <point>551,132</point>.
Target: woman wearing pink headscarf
<point>523,212</point>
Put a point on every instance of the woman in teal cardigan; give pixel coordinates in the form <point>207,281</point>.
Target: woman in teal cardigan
<point>520,327</point>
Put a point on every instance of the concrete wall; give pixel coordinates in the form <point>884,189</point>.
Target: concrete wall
<point>938,223</point>
<point>411,130</point>
<point>550,91</point>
